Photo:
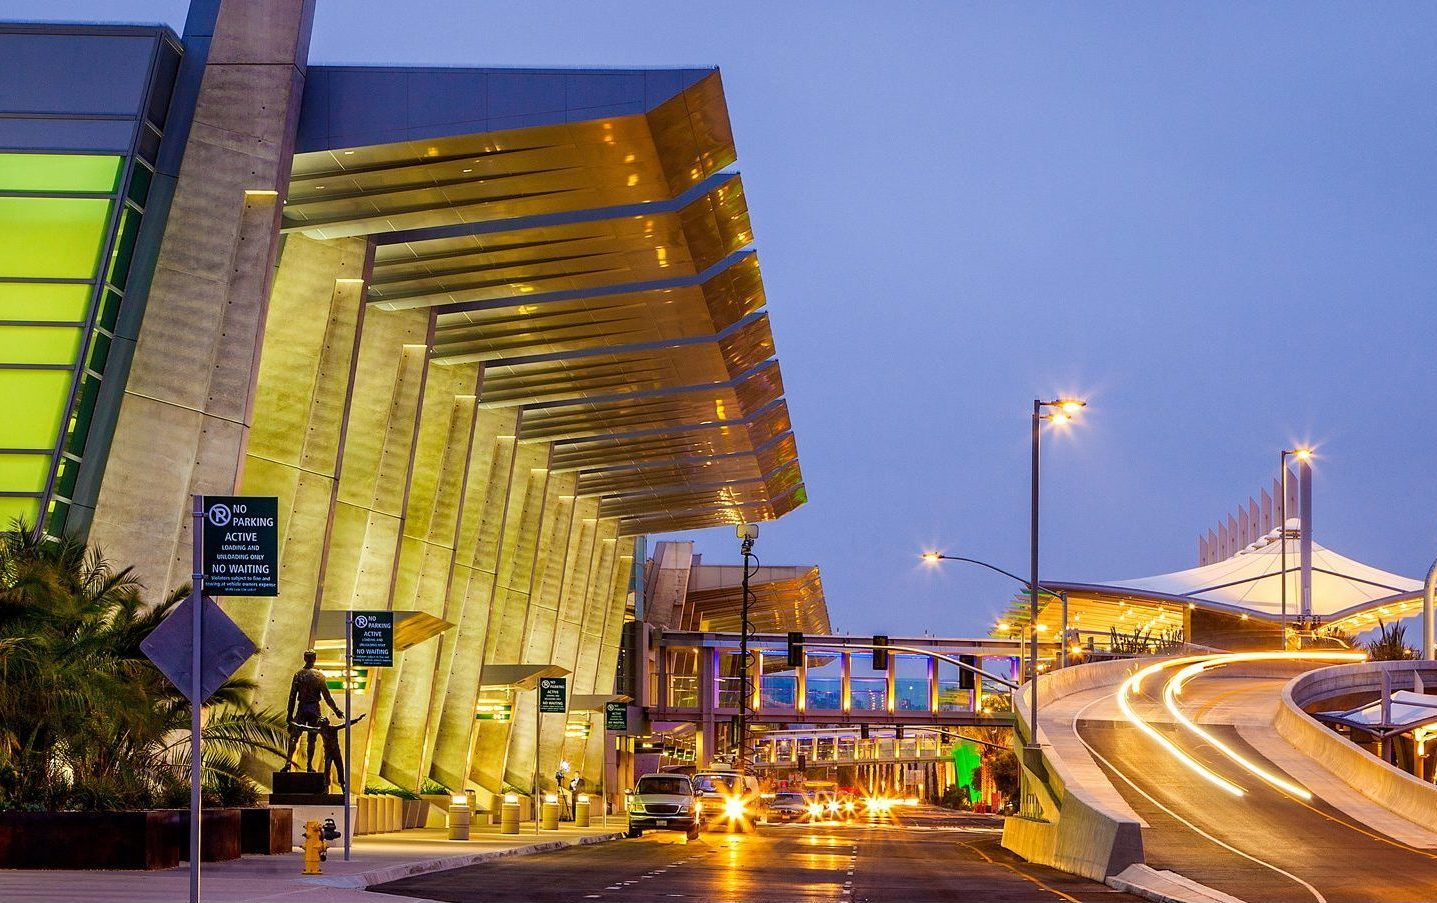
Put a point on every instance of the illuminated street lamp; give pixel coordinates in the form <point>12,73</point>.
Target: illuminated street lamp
<point>1059,412</point>
<point>1004,626</point>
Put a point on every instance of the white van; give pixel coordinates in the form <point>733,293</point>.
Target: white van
<point>663,802</point>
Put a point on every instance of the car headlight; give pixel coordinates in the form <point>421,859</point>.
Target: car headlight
<point>733,807</point>
<point>683,808</point>
<point>636,804</point>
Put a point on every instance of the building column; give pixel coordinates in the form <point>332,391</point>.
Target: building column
<point>303,394</point>
<point>426,558</point>
<point>481,536</point>
<point>193,376</point>
<point>504,640</point>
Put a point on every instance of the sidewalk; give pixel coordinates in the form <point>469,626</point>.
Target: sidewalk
<point>375,859</point>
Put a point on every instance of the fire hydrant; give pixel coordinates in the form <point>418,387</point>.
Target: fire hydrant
<point>314,848</point>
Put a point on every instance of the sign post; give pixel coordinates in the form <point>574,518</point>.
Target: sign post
<point>348,717</point>
<point>368,641</point>
<point>552,693</point>
<point>197,632</point>
<point>236,552</point>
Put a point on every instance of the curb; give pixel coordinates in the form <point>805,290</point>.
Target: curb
<point>1165,886</point>
<point>363,880</point>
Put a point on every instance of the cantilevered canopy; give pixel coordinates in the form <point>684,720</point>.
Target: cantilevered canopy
<point>782,599</point>
<point>593,256</point>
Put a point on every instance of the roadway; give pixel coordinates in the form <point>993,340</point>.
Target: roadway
<point>1270,844</point>
<point>919,855</point>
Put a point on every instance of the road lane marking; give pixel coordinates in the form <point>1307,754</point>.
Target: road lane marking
<point>1024,875</point>
<point>1194,828</point>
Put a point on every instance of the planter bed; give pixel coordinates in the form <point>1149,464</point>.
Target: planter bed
<point>90,840</point>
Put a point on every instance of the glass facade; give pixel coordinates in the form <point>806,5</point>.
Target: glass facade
<point>67,230</point>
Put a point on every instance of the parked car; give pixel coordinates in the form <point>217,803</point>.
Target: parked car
<point>663,802</point>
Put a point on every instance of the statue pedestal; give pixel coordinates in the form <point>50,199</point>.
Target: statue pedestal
<point>302,788</point>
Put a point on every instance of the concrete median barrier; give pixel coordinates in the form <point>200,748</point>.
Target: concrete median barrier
<point>1085,827</point>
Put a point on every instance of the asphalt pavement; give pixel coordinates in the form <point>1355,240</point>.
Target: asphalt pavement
<point>1266,846</point>
<point>918,855</point>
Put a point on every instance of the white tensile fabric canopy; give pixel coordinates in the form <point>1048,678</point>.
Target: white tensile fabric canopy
<point>1251,580</point>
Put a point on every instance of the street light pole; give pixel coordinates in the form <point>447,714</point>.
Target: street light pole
<point>1058,412</point>
<point>747,533</point>
<point>1037,432</point>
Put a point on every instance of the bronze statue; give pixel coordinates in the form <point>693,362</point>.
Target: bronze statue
<point>333,756</point>
<point>305,692</point>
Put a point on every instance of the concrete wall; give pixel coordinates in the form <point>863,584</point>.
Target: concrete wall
<point>1386,785</point>
<point>1082,829</point>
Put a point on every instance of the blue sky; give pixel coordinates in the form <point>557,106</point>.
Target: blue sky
<point>1217,221</point>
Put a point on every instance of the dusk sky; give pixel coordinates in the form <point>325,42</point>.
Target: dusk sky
<point>1218,222</point>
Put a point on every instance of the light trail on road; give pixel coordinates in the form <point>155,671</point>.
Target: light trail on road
<point>1174,686</point>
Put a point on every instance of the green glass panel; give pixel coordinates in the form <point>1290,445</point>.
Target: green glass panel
<point>46,301</point>
<point>39,344</point>
<point>79,428</point>
<point>58,172</point>
<point>35,407</point>
<point>65,478</point>
<point>24,473</point>
<point>109,309</point>
<point>55,520</point>
<point>50,238</point>
<point>99,352</point>
<point>124,247</point>
<point>140,179</point>
<point>13,509</point>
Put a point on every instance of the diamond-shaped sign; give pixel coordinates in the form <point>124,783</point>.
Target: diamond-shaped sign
<point>223,647</point>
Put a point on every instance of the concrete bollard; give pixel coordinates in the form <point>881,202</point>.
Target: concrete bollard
<point>459,816</point>
<point>581,811</point>
<point>550,812</point>
<point>509,814</point>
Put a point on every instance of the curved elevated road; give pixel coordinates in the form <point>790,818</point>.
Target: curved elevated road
<point>1268,845</point>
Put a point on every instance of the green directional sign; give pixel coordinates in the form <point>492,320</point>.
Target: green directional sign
<point>616,717</point>
<point>553,695</point>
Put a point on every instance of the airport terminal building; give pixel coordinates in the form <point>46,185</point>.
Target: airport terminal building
<point>479,330</point>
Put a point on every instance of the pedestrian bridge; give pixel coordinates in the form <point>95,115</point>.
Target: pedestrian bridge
<point>831,747</point>
<point>697,677</point>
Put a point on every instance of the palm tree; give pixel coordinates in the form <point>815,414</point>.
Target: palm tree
<point>86,720</point>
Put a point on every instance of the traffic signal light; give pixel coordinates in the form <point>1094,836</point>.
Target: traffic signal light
<point>880,653</point>
<point>802,762</point>
<point>965,677</point>
<point>863,731</point>
<point>795,648</point>
<point>898,732</point>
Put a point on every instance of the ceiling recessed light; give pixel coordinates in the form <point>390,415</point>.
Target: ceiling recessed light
<point>468,170</point>
<point>319,188</point>
<point>349,153</point>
